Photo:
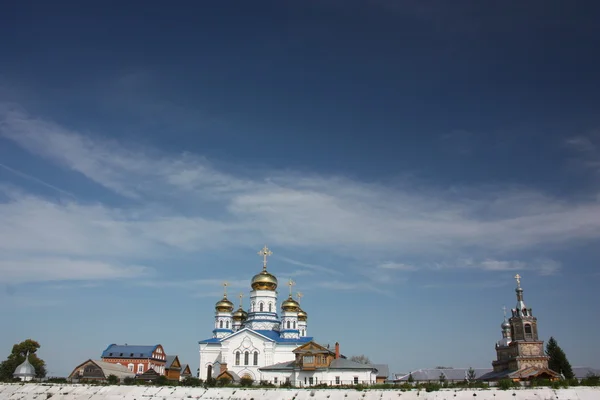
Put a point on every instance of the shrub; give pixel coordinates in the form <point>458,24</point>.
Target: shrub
<point>57,380</point>
<point>505,384</point>
<point>591,380</point>
<point>129,381</point>
<point>246,382</point>
<point>223,381</point>
<point>112,379</point>
<point>191,381</point>
<point>432,387</point>
<point>161,381</point>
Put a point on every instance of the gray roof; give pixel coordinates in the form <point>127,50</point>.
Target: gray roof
<point>183,367</point>
<point>120,371</point>
<point>343,363</point>
<point>523,373</point>
<point>169,361</point>
<point>284,366</point>
<point>583,372</point>
<point>433,374</point>
<point>382,370</point>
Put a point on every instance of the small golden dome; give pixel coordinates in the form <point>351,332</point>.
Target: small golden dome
<point>302,315</point>
<point>290,305</point>
<point>240,315</point>
<point>224,305</point>
<point>264,281</point>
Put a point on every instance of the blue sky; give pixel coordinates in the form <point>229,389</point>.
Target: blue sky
<point>402,160</point>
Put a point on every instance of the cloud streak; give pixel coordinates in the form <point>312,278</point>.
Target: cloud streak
<point>366,222</point>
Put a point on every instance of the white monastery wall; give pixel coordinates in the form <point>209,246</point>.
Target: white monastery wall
<point>85,392</point>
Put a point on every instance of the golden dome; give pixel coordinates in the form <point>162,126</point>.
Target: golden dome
<point>290,305</point>
<point>224,305</point>
<point>240,315</point>
<point>302,315</point>
<point>264,281</point>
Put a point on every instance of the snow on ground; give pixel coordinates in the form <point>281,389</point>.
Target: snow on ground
<point>85,392</point>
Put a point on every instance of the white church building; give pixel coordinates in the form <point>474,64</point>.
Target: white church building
<point>264,345</point>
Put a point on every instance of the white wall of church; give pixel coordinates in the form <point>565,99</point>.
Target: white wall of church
<point>268,353</point>
<point>331,377</point>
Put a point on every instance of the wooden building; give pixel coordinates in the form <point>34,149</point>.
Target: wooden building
<point>173,368</point>
<point>186,372</point>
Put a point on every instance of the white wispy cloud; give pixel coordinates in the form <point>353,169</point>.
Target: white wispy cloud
<point>539,266</point>
<point>58,269</point>
<point>371,223</point>
<point>587,148</point>
<point>397,266</point>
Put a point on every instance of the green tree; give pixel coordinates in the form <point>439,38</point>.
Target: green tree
<point>17,356</point>
<point>558,359</point>
<point>410,378</point>
<point>112,379</point>
<point>471,375</point>
<point>442,378</point>
<point>362,359</point>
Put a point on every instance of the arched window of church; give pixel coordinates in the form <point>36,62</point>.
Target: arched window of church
<point>227,324</point>
<point>237,358</point>
<point>252,307</point>
<point>220,324</point>
<point>288,324</point>
<point>270,305</point>
<point>260,307</point>
<point>255,358</point>
<point>528,331</point>
<point>294,324</point>
<point>246,358</point>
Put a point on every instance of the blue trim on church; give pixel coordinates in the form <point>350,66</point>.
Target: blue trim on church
<point>290,331</point>
<point>273,335</point>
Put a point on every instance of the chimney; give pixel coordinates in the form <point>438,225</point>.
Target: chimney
<point>337,350</point>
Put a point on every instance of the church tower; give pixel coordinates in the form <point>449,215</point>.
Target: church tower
<point>223,316</point>
<point>520,347</point>
<point>289,316</point>
<point>302,317</point>
<point>239,316</point>
<point>263,299</point>
<point>506,333</point>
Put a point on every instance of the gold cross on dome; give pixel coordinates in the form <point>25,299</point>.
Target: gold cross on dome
<point>299,295</point>
<point>518,278</point>
<point>225,284</point>
<point>241,295</point>
<point>265,252</point>
<point>504,309</point>
<point>290,284</point>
